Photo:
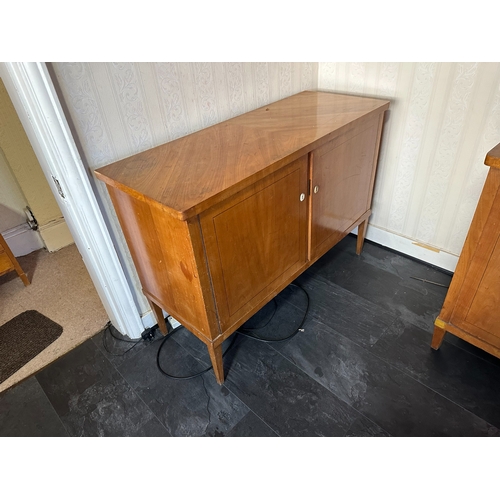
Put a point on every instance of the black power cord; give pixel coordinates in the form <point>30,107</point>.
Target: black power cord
<point>104,344</point>
<point>187,377</point>
<point>247,332</point>
<point>148,335</point>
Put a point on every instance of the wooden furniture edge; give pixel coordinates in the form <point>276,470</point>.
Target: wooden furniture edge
<point>481,215</point>
<point>248,181</point>
<point>493,157</point>
<point>443,327</point>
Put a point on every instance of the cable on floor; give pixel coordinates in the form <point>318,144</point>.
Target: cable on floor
<point>246,332</point>
<point>108,329</point>
<point>187,377</point>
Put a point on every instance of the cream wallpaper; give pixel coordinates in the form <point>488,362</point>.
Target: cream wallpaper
<point>118,109</point>
<point>12,200</point>
<point>24,164</point>
<point>443,119</point>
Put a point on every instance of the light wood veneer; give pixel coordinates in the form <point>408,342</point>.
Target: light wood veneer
<point>220,221</point>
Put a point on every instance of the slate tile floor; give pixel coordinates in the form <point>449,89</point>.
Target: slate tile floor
<point>363,366</point>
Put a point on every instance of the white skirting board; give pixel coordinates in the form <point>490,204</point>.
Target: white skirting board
<point>148,319</point>
<point>415,249</point>
<point>22,240</point>
<point>53,236</point>
<point>56,235</point>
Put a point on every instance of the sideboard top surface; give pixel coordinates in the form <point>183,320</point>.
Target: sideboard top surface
<point>189,174</point>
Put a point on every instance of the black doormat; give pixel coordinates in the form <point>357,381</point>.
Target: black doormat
<point>22,338</point>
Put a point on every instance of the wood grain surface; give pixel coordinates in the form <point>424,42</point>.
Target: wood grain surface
<point>189,174</point>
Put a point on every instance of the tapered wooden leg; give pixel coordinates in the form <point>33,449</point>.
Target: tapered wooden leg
<point>438,337</point>
<point>25,279</point>
<point>217,363</point>
<point>361,236</point>
<point>158,314</point>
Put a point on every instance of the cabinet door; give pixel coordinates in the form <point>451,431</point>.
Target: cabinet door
<point>256,241</point>
<point>342,181</point>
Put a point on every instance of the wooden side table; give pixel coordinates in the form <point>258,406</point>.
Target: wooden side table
<point>9,263</point>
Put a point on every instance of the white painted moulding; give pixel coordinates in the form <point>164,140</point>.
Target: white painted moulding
<point>22,240</point>
<point>56,235</point>
<point>415,249</point>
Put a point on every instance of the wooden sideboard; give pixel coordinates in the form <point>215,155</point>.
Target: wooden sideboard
<point>220,221</point>
<point>471,309</point>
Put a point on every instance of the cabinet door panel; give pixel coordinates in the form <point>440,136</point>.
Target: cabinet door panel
<point>342,175</point>
<point>256,240</point>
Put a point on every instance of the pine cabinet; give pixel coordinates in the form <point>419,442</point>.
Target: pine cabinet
<point>220,221</point>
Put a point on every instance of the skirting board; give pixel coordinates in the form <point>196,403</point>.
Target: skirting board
<point>415,249</point>
<point>148,319</point>
<point>56,235</point>
<point>22,240</point>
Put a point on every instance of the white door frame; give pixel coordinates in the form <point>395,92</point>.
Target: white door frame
<point>34,97</point>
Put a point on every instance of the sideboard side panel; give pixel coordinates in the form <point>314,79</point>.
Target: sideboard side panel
<point>163,255</point>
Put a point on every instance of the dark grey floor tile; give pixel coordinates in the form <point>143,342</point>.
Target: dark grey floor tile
<point>25,411</point>
<point>194,407</point>
<point>283,396</point>
<point>74,373</point>
<point>384,394</point>
<point>152,428</point>
<point>111,408</point>
<point>387,279</point>
<point>92,398</point>
<point>118,351</point>
<point>460,376</point>
<point>354,317</point>
<point>471,349</point>
<point>377,256</point>
<point>251,426</point>
<point>362,427</point>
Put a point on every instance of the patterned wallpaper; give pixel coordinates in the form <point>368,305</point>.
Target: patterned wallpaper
<point>118,109</point>
<point>444,118</point>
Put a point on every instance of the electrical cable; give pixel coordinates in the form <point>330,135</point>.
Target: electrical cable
<point>246,332</point>
<point>187,377</point>
<point>108,329</point>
